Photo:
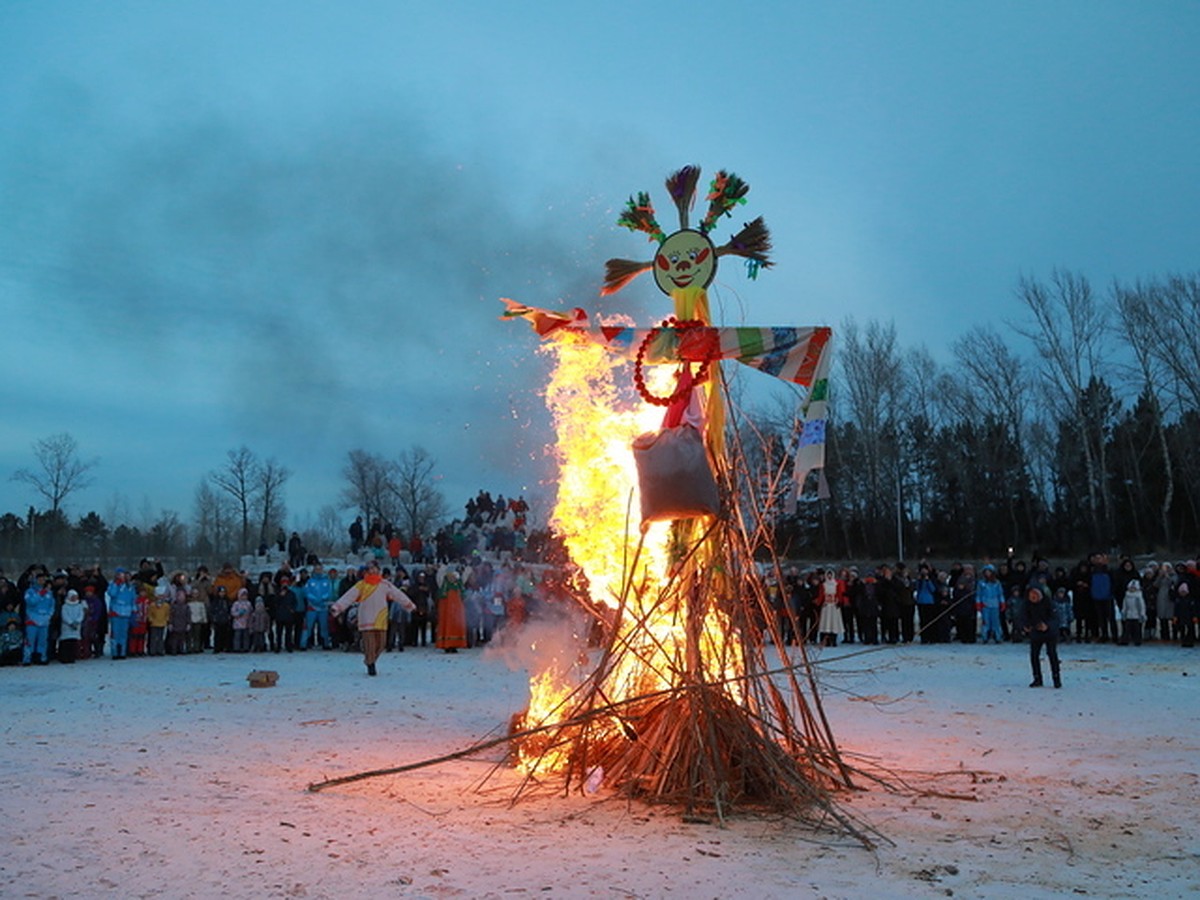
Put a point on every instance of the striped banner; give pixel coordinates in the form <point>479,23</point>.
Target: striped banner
<point>794,355</point>
<point>799,356</point>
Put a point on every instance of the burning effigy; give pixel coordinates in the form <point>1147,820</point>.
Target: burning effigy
<point>692,697</point>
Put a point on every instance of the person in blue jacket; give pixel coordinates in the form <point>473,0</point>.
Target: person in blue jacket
<point>122,597</point>
<point>318,592</point>
<point>989,602</point>
<point>39,610</point>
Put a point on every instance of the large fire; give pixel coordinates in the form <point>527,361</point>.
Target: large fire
<point>631,572</point>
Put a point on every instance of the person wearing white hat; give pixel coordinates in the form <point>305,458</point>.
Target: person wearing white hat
<point>1133,613</point>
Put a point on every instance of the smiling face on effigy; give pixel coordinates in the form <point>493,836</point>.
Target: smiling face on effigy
<point>685,259</point>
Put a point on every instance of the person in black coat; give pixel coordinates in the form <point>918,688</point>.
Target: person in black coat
<point>1041,624</point>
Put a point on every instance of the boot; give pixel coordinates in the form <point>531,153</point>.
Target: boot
<point>371,668</point>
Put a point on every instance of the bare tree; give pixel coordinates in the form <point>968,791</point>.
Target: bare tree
<point>1141,318</point>
<point>996,374</point>
<point>1069,334</point>
<point>212,519</point>
<point>61,471</point>
<point>872,374</point>
<point>270,480</point>
<point>421,504</point>
<point>329,529</point>
<point>239,478</point>
<point>370,485</point>
<point>992,372</point>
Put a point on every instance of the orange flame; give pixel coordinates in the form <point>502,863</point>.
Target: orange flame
<point>597,513</point>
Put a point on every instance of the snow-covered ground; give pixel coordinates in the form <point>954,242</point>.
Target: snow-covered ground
<point>171,777</point>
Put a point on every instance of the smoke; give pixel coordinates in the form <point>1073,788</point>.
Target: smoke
<point>340,268</point>
<point>556,640</point>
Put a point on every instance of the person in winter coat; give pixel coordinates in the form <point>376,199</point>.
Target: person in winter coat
<point>962,596</point>
<point>39,610</point>
<point>220,620</point>
<point>138,622</point>
<point>1133,613</point>
<point>1185,615</point>
<point>283,617</point>
<point>260,624</point>
<point>71,618</point>
<point>95,623</point>
<point>1100,588</point>
<point>1161,601</point>
<point>1041,626</point>
<point>239,612</point>
<point>158,617</point>
<point>1064,607</point>
<point>371,596</point>
<point>197,621</point>
<point>989,602</point>
<point>925,589</point>
<point>318,591</point>
<point>122,596</point>
<point>12,644</point>
<point>181,616</point>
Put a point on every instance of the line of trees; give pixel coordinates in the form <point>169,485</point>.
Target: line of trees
<point>1076,428</point>
<point>237,507</point>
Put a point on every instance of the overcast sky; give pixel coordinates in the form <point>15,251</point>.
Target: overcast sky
<point>287,224</point>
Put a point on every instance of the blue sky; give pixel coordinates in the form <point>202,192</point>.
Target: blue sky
<point>287,224</point>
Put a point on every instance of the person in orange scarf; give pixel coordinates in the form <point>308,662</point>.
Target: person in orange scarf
<point>451,613</point>
<point>372,594</point>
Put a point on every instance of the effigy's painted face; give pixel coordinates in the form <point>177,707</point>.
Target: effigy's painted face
<point>685,259</point>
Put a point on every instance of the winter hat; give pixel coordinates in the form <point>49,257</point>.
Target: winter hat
<point>71,594</point>
<point>1134,585</point>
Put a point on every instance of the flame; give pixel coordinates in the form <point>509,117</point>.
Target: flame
<point>597,513</point>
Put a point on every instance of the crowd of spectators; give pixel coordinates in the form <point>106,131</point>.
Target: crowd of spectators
<point>1092,601</point>
<point>80,613</point>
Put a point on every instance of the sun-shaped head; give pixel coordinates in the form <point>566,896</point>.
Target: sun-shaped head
<point>688,258</point>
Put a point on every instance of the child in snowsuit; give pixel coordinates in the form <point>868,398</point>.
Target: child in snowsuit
<point>1064,607</point>
<point>989,603</point>
<point>70,627</point>
<point>260,624</point>
<point>240,612</point>
<point>1133,614</point>
<point>158,616</point>
<point>12,644</point>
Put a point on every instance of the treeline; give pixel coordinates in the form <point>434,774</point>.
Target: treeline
<point>238,507</point>
<point>1071,429</point>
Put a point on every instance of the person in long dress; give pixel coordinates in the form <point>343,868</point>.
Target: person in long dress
<point>832,597</point>
<point>451,612</point>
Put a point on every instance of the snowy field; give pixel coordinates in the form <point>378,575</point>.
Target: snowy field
<point>172,778</point>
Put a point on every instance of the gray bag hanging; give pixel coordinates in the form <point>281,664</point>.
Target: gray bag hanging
<point>674,476</point>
